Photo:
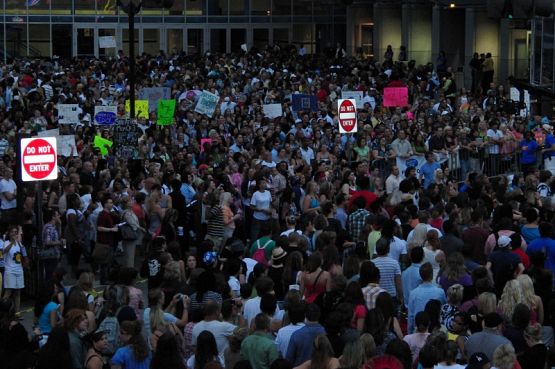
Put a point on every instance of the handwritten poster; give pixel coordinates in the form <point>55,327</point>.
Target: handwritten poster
<point>126,137</point>
<point>141,108</point>
<point>356,95</point>
<point>395,96</point>
<point>165,112</point>
<point>272,110</point>
<point>207,103</point>
<point>68,113</point>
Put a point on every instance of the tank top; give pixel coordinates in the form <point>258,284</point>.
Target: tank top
<point>313,290</point>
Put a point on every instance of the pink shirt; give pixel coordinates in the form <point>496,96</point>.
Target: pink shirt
<point>416,341</point>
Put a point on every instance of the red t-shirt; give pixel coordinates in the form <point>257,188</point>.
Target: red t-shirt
<point>370,197</point>
<point>523,257</point>
<point>105,220</point>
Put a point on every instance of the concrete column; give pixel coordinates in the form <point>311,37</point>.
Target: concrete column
<point>469,43</point>
<point>95,38</point>
<point>406,25</point>
<point>503,65</point>
<point>206,39</point>
<point>250,38</point>
<point>377,31</point>
<point>436,29</point>
<point>228,40</point>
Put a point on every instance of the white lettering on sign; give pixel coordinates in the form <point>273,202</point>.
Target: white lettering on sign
<point>44,149</point>
<point>39,168</point>
<point>38,159</point>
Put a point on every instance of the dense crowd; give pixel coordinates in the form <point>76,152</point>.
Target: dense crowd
<point>276,243</point>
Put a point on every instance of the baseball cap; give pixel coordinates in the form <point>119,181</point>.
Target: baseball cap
<point>504,241</point>
<point>209,257</point>
<point>477,361</point>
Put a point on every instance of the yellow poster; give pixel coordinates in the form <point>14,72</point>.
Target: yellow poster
<point>141,108</point>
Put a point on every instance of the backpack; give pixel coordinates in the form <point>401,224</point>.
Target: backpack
<point>110,325</point>
<point>260,253</point>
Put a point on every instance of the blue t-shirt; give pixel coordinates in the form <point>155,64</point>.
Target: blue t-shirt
<point>545,245</point>
<point>428,171</point>
<point>528,151</point>
<point>44,319</point>
<point>549,141</point>
<point>125,358</point>
<point>529,234</point>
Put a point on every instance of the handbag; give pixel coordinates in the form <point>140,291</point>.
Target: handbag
<point>127,233</point>
<point>101,253</point>
<point>49,253</point>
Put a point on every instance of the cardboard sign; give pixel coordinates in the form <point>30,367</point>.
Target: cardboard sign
<point>107,42</point>
<point>272,110</point>
<point>395,96</point>
<point>105,115</point>
<point>207,103</point>
<point>141,108</point>
<point>68,113</point>
<point>356,95</point>
<point>153,94</point>
<point>165,112</point>
<point>304,102</point>
<point>65,144</point>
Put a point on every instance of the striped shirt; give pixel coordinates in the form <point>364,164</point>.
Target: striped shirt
<point>215,217</point>
<point>389,268</point>
<point>370,294</point>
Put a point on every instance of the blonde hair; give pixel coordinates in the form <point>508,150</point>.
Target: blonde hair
<point>512,295</point>
<point>369,345</point>
<point>224,198</point>
<point>455,294</point>
<point>156,317</point>
<point>528,294</point>
<point>172,271</point>
<point>504,356</point>
<point>487,303</point>
<point>353,355</point>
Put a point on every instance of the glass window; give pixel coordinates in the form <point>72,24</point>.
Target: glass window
<point>194,41</point>
<point>39,40</point>
<point>39,7</point>
<point>125,41</point>
<point>61,7</point>
<point>281,36</point>
<point>195,7</point>
<point>302,8</point>
<point>260,7</point>
<point>238,37</point>
<point>218,7</point>
<point>238,7</point>
<point>174,40</point>
<point>547,51</point>
<point>303,34</point>
<point>85,42</point>
<point>106,6</point>
<point>85,7</point>
<point>218,40</point>
<point>178,8</point>
<point>15,7</point>
<point>151,41</point>
<point>261,38</point>
<point>281,7</point>
<point>63,45</point>
<point>16,40</point>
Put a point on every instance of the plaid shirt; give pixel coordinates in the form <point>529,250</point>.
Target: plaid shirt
<point>356,223</point>
<point>370,294</point>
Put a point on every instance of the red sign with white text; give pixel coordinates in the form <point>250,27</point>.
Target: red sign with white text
<point>39,160</point>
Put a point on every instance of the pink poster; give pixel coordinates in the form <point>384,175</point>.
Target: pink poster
<point>203,141</point>
<point>395,96</point>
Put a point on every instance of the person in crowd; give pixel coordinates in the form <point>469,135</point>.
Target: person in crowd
<point>322,355</point>
<point>13,253</point>
<point>489,339</point>
<point>95,357</point>
<point>300,346</point>
<point>422,294</point>
<point>258,348</point>
<point>135,353</point>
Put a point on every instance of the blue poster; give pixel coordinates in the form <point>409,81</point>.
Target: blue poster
<point>304,102</point>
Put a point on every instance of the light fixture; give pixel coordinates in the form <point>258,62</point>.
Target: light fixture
<point>452,5</point>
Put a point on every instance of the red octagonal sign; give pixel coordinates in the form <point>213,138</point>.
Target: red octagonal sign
<point>38,159</point>
<point>347,115</point>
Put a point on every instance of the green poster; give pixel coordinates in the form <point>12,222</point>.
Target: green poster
<point>165,112</point>
<point>102,144</point>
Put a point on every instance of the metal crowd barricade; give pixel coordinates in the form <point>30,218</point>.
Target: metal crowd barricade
<point>483,163</point>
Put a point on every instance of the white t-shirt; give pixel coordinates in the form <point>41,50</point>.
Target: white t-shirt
<point>308,155</point>
<point>13,259</point>
<point>397,248</point>
<point>252,309</point>
<point>220,330</point>
<point>261,200</point>
<point>234,285</point>
<point>250,266</point>
<point>497,135</point>
<point>7,185</point>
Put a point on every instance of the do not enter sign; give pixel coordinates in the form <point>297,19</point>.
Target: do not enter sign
<point>39,159</point>
<point>347,115</point>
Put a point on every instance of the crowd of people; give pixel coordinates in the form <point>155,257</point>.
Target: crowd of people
<point>278,243</point>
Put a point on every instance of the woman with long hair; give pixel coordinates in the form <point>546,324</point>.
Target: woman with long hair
<point>168,353</point>
<point>314,279</point>
<point>512,295</point>
<point>454,272</point>
<point>207,351</point>
<point>95,358</point>
<point>168,228</point>
<point>533,301</point>
<point>311,203</point>
<point>47,309</point>
<point>75,324</point>
<point>322,356</point>
<point>55,354</point>
<point>376,325</point>
<point>157,321</point>
<point>135,354</point>
<point>293,268</point>
<point>226,200</point>
<point>353,295</point>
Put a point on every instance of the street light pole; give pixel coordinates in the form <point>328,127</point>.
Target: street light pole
<point>131,9</point>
